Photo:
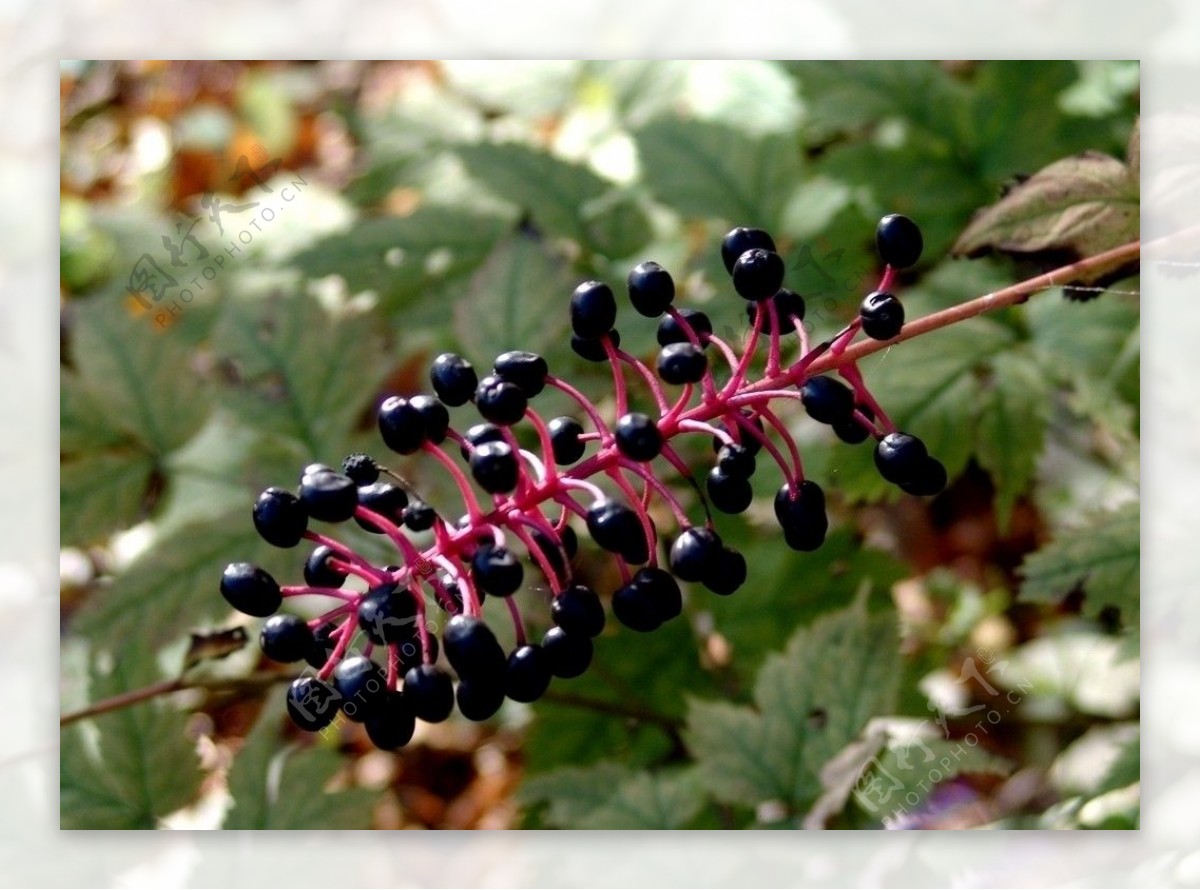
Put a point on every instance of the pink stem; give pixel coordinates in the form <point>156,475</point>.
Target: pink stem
<point>650,379</point>
<point>464,486</point>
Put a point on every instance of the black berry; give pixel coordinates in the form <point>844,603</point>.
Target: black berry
<point>478,434</point>
<point>593,309</point>
<point>694,553</point>
<point>528,675</point>
<point>850,430</point>
<point>361,468</point>
<point>651,289</point>
<point>746,439</point>
<point>593,350</point>
<point>898,240</point>
<point>617,529</point>
<point>680,363</point>
<point>634,606</point>
<point>638,437</point>
<point>322,646</point>
<point>827,400</point>
<point>578,610</point>
<point>802,517</point>
<point>527,370</point>
<point>929,480</point>
<point>497,571</point>
<point>311,703</point>
<point>393,724</point>
<point>478,700</point>
<point>882,316</point>
<point>736,460</point>
<point>250,590</point>
<point>434,416</point>
<point>899,457</point>
<point>729,572</point>
<point>430,692</point>
<point>329,496</point>
<point>671,331</point>
<point>419,516</point>
<point>285,638</point>
<point>788,305</point>
<point>362,685</point>
<point>500,401</point>
<point>663,591</point>
<point>319,573</point>
<point>758,274</point>
<point>728,493</point>
<point>280,518</point>
<point>453,378</point>
<point>495,467</point>
<point>384,498</point>
<point>569,654</point>
<point>472,649</point>
<point>737,241</point>
<point>387,614</point>
<point>564,439</point>
<point>401,425</point>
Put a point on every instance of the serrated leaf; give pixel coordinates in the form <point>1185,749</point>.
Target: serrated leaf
<point>139,766</point>
<point>1103,557</point>
<point>563,198</point>
<point>519,299</point>
<point>400,258</point>
<point>283,787</point>
<point>307,373</point>
<point>1012,427</point>
<point>1078,207</point>
<point>910,767</point>
<point>811,701</point>
<point>101,493</point>
<point>711,170</point>
<point>174,585</point>
<point>610,796</point>
<point>799,585</point>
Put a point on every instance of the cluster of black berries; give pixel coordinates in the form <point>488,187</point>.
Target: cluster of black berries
<point>376,655</point>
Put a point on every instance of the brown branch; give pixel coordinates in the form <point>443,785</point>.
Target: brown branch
<point>166,687</point>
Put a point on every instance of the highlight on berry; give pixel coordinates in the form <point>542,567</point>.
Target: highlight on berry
<point>410,640</point>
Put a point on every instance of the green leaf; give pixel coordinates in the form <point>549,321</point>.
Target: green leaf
<point>1103,557</point>
<point>711,170</point>
<point>277,787</point>
<point>1077,207</point>
<point>129,768</point>
<point>811,701</point>
<point>307,373</point>
<point>1012,428</point>
<point>174,585</point>
<point>910,767</point>
<point>518,299</point>
<point>401,258</point>
<point>563,198</point>
<point>610,796</point>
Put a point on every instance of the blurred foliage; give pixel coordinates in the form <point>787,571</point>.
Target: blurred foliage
<point>330,226</point>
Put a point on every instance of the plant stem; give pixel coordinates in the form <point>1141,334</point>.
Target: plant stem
<point>166,687</point>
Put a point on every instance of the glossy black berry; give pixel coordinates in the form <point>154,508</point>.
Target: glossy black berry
<point>401,426</point>
<point>578,609</point>
<point>729,494</point>
<point>479,700</point>
<point>279,518</point>
<point>500,401</point>
<point>638,437</point>
<point>729,572</point>
<point>322,646</point>
<point>564,439</point>
<point>362,685</point>
<point>617,529</point>
<point>319,573</point>
<point>680,363</point>
<point>929,480</point>
<point>387,614</point>
<point>898,240</point>
<point>384,498</point>
<point>899,457</point>
<point>671,331</point>
<point>788,305</point>
<point>850,430</point>
<point>393,724</point>
<point>478,434</point>
<point>453,378</point>
<point>695,553</point>
<point>827,400</point>
<point>311,703</point>
<point>662,589</point>
<point>593,309</point>
<point>568,653</point>
<point>495,468</point>
<point>758,274</point>
<point>593,350</point>
<point>497,570</point>
<point>472,649</point>
<point>250,590</point>
<point>329,496</point>
<point>634,606</point>
<point>419,516</point>
<point>802,515</point>
<point>410,652</point>
<point>434,416</point>
<point>430,693</point>
<point>736,461</point>
<point>651,289</point>
<point>528,675</point>
<point>737,241</point>
<point>527,370</point>
<point>285,638</point>
<point>882,316</point>
<point>362,468</point>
